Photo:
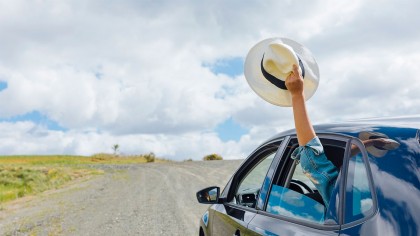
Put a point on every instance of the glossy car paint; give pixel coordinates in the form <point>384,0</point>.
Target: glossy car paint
<point>396,180</point>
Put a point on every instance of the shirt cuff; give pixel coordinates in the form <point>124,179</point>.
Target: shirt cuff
<point>314,145</point>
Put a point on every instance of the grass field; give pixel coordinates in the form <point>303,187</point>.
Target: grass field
<point>28,175</point>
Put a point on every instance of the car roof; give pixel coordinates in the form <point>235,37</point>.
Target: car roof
<point>354,127</point>
<point>404,130</point>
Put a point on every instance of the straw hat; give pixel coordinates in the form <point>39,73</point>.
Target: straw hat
<point>375,150</point>
<point>270,61</point>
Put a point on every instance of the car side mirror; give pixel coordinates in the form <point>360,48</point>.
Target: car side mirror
<point>208,195</point>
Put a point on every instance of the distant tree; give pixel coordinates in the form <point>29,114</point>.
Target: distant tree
<point>115,148</point>
<point>212,157</point>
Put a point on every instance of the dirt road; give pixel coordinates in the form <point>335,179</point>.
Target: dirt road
<point>142,199</point>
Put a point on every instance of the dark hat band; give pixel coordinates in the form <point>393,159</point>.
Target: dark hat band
<point>278,82</point>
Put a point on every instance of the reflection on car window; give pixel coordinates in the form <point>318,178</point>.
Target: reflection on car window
<point>249,187</point>
<point>286,202</point>
<point>255,178</point>
<point>358,195</point>
<point>294,195</point>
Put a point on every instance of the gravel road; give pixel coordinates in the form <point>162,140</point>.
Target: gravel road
<point>142,199</point>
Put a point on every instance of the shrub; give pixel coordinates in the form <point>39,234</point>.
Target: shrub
<point>150,157</point>
<point>212,157</point>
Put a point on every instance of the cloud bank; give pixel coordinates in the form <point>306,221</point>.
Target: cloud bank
<point>137,73</point>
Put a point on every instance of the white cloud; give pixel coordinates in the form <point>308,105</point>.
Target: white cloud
<point>29,138</point>
<point>132,72</point>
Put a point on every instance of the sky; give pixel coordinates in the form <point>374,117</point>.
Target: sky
<point>162,76</point>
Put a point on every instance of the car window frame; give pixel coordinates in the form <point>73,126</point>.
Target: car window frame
<point>247,165</point>
<point>347,139</point>
<point>372,189</point>
<point>279,162</point>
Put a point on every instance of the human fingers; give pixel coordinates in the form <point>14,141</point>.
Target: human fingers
<point>295,69</point>
<point>293,73</point>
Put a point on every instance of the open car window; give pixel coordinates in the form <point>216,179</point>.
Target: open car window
<point>293,195</point>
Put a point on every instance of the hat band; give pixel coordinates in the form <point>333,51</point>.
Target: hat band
<point>274,80</point>
<point>376,137</point>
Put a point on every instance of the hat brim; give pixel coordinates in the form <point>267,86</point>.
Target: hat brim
<point>268,91</point>
<point>376,151</point>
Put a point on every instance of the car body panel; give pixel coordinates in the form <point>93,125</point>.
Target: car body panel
<point>268,225</point>
<point>395,179</point>
<point>229,220</point>
<point>225,219</point>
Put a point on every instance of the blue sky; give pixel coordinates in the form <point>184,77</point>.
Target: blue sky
<point>168,78</point>
<point>229,129</point>
<point>3,85</point>
<point>37,118</point>
<point>229,66</point>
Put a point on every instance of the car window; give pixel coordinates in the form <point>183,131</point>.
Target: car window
<point>298,176</point>
<point>286,202</point>
<point>249,187</point>
<point>358,199</point>
<point>298,200</point>
<point>294,195</point>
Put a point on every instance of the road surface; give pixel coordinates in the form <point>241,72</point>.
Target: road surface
<point>141,199</point>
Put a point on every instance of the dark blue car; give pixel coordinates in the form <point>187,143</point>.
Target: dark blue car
<point>377,191</point>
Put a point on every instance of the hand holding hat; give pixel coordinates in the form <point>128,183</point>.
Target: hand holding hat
<point>270,62</point>
<point>294,82</point>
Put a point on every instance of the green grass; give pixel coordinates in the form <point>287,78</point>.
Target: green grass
<point>73,160</point>
<point>17,182</point>
<point>28,175</point>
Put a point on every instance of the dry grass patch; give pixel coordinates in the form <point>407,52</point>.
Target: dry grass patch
<point>17,182</point>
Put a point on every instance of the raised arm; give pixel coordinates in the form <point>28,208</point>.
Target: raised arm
<point>305,131</point>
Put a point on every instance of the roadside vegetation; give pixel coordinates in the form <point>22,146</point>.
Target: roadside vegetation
<point>212,157</point>
<point>17,182</point>
<point>28,175</point>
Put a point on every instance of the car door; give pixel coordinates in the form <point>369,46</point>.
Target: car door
<point>238,208</point>
<point>359,203</point>
<point>293,206</point>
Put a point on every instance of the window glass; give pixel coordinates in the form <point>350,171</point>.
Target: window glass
<point>296,201</point>
<point>294,195</point>
<point>286,202</point>
<point>250,186</point>
<point>358,195</point>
